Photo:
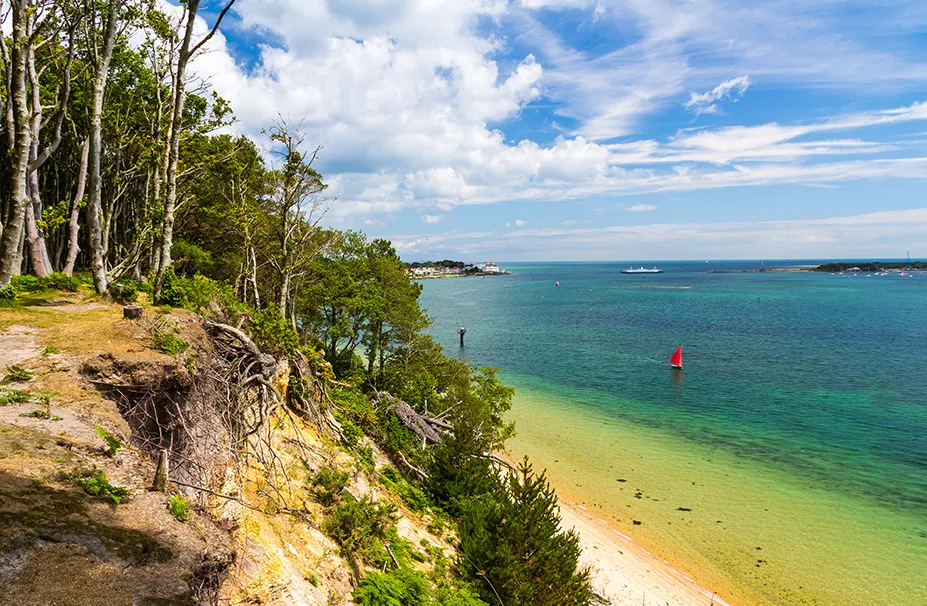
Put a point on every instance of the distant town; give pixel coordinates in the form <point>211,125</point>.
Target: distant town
<point>422,270</point>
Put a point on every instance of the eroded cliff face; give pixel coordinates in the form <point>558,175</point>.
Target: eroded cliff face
<point>253,536</point>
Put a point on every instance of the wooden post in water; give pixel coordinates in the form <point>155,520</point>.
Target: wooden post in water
<point>462,331</point>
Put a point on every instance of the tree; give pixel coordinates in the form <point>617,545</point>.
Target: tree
<point>27,23</point>
<point>100,45</point>
<point>186,52</point>
<point>511,538</point>
<point>296,208</point>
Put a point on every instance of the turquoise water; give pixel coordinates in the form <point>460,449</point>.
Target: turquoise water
<point>813,382</point>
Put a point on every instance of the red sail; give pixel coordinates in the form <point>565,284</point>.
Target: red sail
<point>676,360</point>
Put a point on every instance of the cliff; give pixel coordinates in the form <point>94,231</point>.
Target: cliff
<point>91,401</point>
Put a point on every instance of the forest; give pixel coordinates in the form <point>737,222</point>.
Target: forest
<point>119,172</point>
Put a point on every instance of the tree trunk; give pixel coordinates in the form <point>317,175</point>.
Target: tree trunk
<point>21,139</point>
<point>74,223</point>
<point>187,50</point>
<point>94,202</point>
<point>173,149</point>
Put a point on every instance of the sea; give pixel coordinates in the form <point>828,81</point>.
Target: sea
<point>786,464</point>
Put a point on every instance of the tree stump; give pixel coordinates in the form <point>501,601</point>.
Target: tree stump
<point>132,312</point>
<point>162,472</point>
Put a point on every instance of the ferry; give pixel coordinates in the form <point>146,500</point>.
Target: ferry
<point>641,270</point>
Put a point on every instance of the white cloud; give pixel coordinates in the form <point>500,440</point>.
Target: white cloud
<point>432,218</point>
<point>707,102</point>
<point>641,208</point>
<point>410,99</point>
<point>520,223</point>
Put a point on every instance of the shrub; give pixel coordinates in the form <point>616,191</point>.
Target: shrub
<point>113,443</point>
<point>190,258</point>
<point>328,484</point>
<point>350,433</point>
<point>59,281</point>
<point>16,374</point>
<point>25,283</point>
<point>414,498</point>
<point>407,587</point>
<point>98,486</point>
<point>180,507</point>
<point>403,587</point>
<point>358,526</point>
<point>273,333</point>
<point>199,294</point>
<point>8,294</point>
<point>124,290</point>
<point>165,341</point>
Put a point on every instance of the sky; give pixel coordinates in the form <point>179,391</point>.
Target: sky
<point>537,130</point>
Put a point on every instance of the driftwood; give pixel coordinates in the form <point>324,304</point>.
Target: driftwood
<point>424,427</point>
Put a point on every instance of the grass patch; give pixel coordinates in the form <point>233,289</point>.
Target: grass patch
<point>16,374</point>
<point>98,486</point>
<point>50,351</point>
<point>14,396</point>
<point>43,414</point>
<point>166,341</point>
<point>180,507</point>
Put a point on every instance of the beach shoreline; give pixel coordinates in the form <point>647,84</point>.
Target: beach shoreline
<point>623,572</point>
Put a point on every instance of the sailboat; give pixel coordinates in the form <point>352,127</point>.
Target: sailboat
<point>676,359</point>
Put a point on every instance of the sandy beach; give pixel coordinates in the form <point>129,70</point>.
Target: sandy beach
<point>625,573</point>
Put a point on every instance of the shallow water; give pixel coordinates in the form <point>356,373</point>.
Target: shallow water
<point>799,425</point>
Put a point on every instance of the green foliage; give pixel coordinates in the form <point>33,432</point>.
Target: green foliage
<point>273,333</point>
<point>350,433</point>
<point>180,507</point>
<point>8,294</point>
<point>55,281</point>
<point>50,351</point>
<point>407,587</point>
<point>200,294</point>
<point>113,443</point>
<point>164,340</point>
<point>359,526</point>
<point>124,290</point>
<point>98,486</point>
<point>403,587</point>
<point>190,259</point>
<point>511,538</point>
<point>328,484</point>
<point>411,495</point>
<point>43,414</point>
<point>16,374</point>
<point>59,281</point>
<point>25,283</point>
<point>14,396</point>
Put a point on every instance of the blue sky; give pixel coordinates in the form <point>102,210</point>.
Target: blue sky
<point>599,129</point>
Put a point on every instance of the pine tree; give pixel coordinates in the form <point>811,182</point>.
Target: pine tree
<point>511,539</point>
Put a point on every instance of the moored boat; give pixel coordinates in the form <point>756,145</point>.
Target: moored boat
<point>642,270</point>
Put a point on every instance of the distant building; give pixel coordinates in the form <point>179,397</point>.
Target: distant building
<point>420,272</point>
<point>490,268</point>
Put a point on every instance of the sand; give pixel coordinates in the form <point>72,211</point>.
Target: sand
<point>625,573</point>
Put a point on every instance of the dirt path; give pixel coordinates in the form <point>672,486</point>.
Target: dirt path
<point>18,344</point>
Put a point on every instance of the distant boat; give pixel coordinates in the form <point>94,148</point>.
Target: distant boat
<point>557,283</point>
<point>631,270</point>
<point>676,359</point>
